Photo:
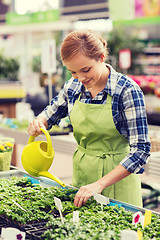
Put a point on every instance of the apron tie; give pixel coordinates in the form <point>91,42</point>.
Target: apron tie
<point>93,152</point>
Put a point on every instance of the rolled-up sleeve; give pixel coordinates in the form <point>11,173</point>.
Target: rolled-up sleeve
<point>56,110</point>
<point>136,130</point>
<point>61,105</point>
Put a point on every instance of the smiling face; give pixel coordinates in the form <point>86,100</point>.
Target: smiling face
<point>90,72</point>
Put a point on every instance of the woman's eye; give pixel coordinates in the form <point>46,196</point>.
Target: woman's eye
<point>85,71</point>
<point>73,72</point>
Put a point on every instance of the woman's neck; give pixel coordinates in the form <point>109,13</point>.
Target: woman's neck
<point>101,84</point>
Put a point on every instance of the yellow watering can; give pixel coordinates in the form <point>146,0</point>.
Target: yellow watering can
<point>37,157</point>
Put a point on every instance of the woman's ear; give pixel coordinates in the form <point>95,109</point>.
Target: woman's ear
<point>102,58</point>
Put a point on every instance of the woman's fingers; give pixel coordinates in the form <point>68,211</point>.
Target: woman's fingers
<point>82,196</point>
<point>87,197</point>
<point>34,128</point>
<point>87,191</point>
<point>42,126</point>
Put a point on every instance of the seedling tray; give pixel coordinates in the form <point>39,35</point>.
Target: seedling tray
<point>35,230</point>
<point>48,183</point>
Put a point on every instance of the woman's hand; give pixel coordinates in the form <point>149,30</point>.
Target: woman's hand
<point>85,192</point>
<point>112,177</point>
<point>35,125</point>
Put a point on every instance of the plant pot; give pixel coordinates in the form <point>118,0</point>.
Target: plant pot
<point>6,150</point>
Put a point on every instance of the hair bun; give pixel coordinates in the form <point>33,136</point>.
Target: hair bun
<point>104,42</point>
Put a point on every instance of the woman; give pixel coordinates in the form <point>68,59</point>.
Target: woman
<point>107,112</point>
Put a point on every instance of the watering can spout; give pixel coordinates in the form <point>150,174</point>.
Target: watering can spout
<point>49,175</point>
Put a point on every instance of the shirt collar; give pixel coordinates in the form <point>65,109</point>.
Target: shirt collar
<point>112,80</point>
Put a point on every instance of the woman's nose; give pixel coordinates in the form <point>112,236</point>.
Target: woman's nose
<point>81,78</point>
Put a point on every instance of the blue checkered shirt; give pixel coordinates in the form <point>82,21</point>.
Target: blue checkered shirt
<point>128,110</point>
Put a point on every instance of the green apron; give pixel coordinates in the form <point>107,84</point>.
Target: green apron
<point>100,149</point>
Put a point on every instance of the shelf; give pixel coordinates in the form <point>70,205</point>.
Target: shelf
<point>37,27</point>
<point>149,59</point>
<point>152,70</point>
<point>152,50</point>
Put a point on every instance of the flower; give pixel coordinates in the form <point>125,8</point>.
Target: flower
<point>2,148</point>
<point>147,83</point>
<point>6,146</point>
<point>19,236</point>
<point>136,219</point>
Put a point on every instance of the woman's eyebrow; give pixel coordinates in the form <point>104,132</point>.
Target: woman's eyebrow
<point>85,67</point>
<point>80,69</point>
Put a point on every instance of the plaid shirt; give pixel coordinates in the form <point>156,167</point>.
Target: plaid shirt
<point>128,110</point>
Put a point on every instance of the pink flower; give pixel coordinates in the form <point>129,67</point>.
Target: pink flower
<point>136,219</point>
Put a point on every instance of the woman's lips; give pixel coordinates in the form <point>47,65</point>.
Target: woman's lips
<point>86,82</point>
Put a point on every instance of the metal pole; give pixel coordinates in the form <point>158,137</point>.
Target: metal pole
<point>50,86</point>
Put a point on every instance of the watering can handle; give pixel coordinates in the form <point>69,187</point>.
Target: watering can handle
<point>49,141</point>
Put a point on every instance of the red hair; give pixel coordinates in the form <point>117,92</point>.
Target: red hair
<point>83,41</point>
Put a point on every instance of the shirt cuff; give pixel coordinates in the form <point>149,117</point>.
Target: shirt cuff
<point>44,115</point>
<point>134,163</point>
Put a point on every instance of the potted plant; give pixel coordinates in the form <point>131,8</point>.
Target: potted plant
<point>6,149</point>
<point>9,68</point>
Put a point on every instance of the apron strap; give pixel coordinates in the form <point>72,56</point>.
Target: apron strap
<point>79,96</point>
<point>93,152</point>
<point>109,99</point>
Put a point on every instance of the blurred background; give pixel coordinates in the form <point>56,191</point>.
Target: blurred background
<point>131,28</point>
<point>31,71</point>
